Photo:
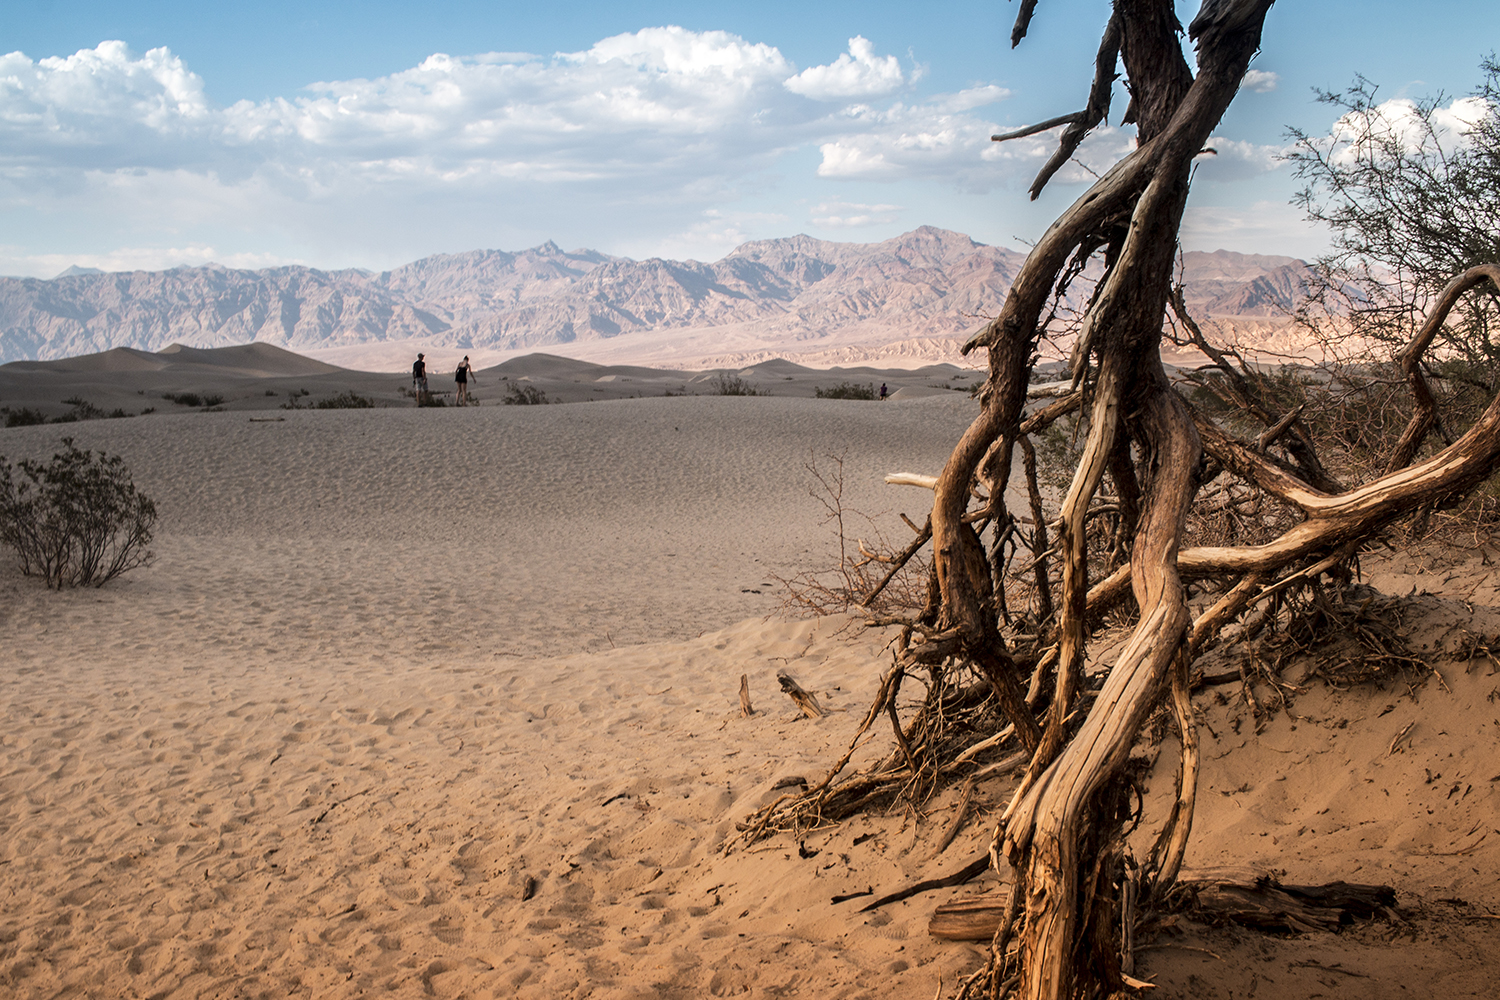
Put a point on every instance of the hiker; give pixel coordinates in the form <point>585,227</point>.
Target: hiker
<point>882,392</point>
<point>419,375</point>
<point>462,378</point>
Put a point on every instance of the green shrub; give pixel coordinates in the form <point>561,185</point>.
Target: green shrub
<point>525,395</point>
<point>24,417</point>
<point>847,390</point>
<point>82,409</point>
<point>191,399</point>
<point>77,521</point>
<point>347,400</point>
<point>730,384</point>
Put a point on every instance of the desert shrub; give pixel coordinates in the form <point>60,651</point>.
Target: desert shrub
<point>23,417</point>
<point>524,395</point>
<point>847,390</point>
<point>82,409</point>
<point>191,399</point>
<point>730,384</point>
<point>347,400</point>
<point>76,521</point>
<point>433,399</point>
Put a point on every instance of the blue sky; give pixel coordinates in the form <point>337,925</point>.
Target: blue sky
<point>367,135</point>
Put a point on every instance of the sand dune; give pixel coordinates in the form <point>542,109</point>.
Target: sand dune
<point>444,703</point>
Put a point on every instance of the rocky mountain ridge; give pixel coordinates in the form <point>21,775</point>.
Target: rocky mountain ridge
<point>920,294</point>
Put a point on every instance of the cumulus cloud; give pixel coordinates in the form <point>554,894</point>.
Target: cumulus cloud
<point>1400,121</point>
<point>857,73</point>
<point>1260,81</point>
<point>1233,160</point>
<point>647,132</point>
<point>931,140</point>
<point>661,108</point>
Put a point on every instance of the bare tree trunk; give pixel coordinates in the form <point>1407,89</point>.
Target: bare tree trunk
<point>1135,210</point>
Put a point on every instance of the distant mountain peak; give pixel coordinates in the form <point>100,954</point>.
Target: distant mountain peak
<point>74,270</point>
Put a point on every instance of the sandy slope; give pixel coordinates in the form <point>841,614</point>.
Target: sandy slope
<point>394,667</point>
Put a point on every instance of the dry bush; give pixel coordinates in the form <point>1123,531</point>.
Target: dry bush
<point>76,521</point>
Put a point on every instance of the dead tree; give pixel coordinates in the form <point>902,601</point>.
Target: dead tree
<point>1062,834</point>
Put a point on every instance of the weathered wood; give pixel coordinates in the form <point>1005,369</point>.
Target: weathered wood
<point>1424,413</point>
<point>967,873</point>
<point>1268,905</point>
<point>1258,903</point>
<point>805,701</point>
<point>745,708</point>
<point>973,919</point>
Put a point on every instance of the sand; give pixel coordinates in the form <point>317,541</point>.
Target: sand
<point>445,703</point>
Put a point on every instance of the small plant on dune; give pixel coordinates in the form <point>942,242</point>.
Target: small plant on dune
<point>183,398</point>
<point>347,400</point>
<point>82,409</point>
<point>192,399</point>
<point>524,395</point>
<point>847,390</point>
<point>425,398</point>
<point>76,521</point>
<point>730,384</point>
<point>23,417</point>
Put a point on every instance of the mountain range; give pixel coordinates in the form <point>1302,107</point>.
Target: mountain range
<point>912,299</point>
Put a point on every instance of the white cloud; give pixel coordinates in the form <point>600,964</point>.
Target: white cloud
<point>1260,81</point>
<point>1233,160</point>
<point>660,108</point>
<point>660,138</point>
<point>1400,120</point>
<point>837,214</point>
<point>16,261</point>
<point>856,73</point>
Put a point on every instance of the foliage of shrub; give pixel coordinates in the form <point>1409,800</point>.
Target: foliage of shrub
<point>347,400</point>
<point>76,521</point>
<point>524,395</point>
<point>23,417</point>
<point>847,390</point>
<point>192,399</point>
<point>730,384</point>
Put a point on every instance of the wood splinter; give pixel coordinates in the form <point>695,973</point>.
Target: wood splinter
<point>745,708</point>
<point>804,700</point>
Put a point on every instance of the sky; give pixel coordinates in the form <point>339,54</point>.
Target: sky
<point>338,134</point>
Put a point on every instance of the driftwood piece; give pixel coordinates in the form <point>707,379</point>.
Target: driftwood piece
<point>967,873</point>
<point>1261,904</point>
<point>1266,904</point>
<point>973,919</point>
<point>746,710</point>
<point>805,701</point>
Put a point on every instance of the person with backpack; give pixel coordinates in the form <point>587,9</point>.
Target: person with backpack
<point>462,378</point>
